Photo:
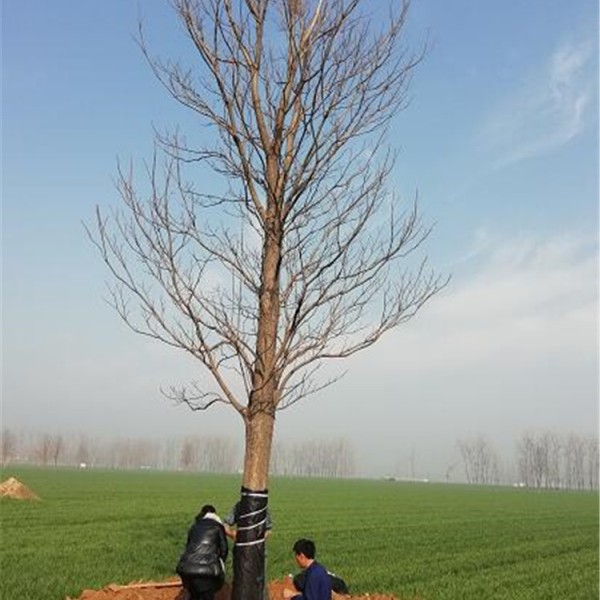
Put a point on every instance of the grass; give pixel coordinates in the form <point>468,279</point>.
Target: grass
<point>433,541</point>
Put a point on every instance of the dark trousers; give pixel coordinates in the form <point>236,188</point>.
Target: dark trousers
<point>201,588</point>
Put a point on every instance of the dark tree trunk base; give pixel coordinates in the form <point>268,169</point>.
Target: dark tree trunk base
<point>249,549</point>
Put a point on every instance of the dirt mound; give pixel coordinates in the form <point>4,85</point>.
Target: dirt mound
<point>171,590</point>
<point>13,488</point>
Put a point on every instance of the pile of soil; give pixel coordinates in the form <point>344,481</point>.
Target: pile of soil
<point>171,590</point>
<point>13,488</point>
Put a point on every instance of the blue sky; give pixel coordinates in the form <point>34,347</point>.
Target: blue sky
<point>500,141</point>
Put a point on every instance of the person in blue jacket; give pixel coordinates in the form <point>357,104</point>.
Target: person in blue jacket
<point>317,583</point>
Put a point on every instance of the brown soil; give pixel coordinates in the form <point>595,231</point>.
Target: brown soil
<point>171,590</point>
<point>13,488</point>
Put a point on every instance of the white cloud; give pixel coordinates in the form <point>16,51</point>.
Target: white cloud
<point>528,299</point>
<point>548,111</point>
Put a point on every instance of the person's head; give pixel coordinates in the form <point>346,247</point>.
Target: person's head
<point>304,552</point>
<point>207,508</point>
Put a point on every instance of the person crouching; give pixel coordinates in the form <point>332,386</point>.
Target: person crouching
<point>317,582</point>
<point>202,564</point>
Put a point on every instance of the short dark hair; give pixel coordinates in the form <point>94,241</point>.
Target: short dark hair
<point>207,508</point>
<point>306,547</point>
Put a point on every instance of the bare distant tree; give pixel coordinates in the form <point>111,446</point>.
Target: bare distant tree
<point>554,449</point>
<point>525,450</point>
<point>449,469</point>
<point>592,462</point>
<point>575,451</point>
<point>43,449</point>
<point>314,458</point>
<point>83,453</point>
<point>130,453</point>
<point>280,459</point>
<point>57,447</point>
<point>539,462</point>
<point>170,454</point>
<point>300,254</point>
<point>187,457</point>
<point>552,460</point>
<point>219,454</point>
<point>208,454</point>
<point>479,460</point>
<point>412,460</point>
<point>8,446</point>
<point>466,453</point>
<point>344,454</point>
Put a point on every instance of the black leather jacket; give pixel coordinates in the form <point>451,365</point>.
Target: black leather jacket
<point>205,551</point>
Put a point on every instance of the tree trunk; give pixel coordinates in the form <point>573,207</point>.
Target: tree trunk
<point>259,436</point>
<point>249,548</point>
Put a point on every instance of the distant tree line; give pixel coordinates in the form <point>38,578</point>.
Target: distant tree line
<point>546,460</point>
<point>549,460</point>
<point>324,458</point>
<point>480,461</point>
<point>203,454</point>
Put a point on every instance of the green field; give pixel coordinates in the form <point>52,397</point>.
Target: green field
<point>428,540</point>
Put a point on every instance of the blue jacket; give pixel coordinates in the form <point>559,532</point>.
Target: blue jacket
<point>317,585</point>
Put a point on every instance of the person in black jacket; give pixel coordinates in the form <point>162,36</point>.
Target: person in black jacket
<point>202,564</point>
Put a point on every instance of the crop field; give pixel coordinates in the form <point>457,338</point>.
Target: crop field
<point>431,541</point>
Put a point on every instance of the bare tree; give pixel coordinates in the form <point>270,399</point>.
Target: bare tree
<point>280,459</point>
<point>412,459</point>
<point>345,458</point>
<point>210,454</point>
<point>219,454</point>
<point>128,453</point>
<point>539,461</point>
<point>467,454</point>
<point>57,447</point>
<point>8,446</point>
<point>479,460</point>
<point>525,448</point>
<point>301,254</point>
<point>593,461</point>
<point>449,470</point>
<point>554,449</point>
<point>188,453</point>
<point>575,451</point>
<point>554,461</point>
<point>170,454</point>
<point>83,453</point>
<point>314,458</point>
<point>43,449</point>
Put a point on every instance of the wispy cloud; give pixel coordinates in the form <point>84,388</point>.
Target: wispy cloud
<point>524,298</point>
<point>549,110</point>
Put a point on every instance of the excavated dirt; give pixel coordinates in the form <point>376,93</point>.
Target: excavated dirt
<point>170,590</point>
<point>13,488</point>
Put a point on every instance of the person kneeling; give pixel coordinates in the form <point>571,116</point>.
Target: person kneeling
<point>317,583</point>
<point>202,564</point>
